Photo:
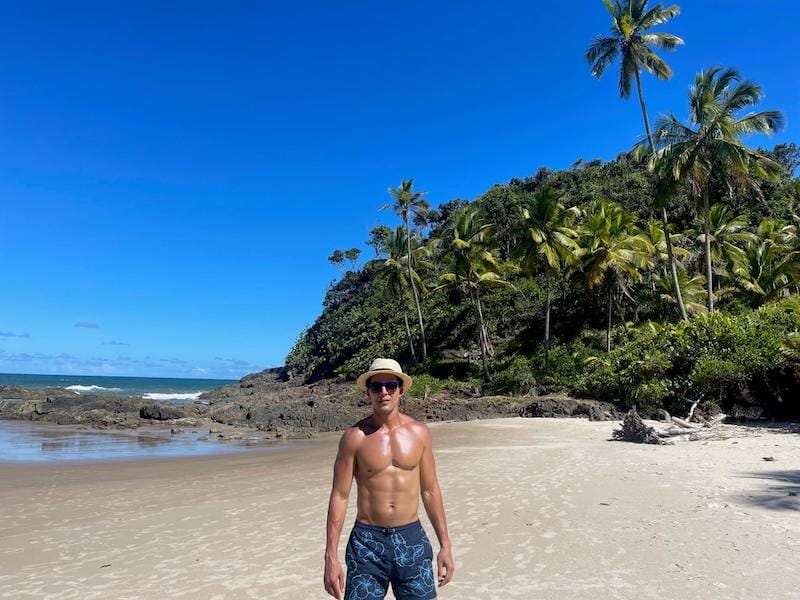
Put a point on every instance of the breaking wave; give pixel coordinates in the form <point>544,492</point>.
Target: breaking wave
<point>91,388</point>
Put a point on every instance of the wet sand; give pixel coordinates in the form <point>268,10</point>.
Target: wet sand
<point>24,441</point>
<point>538,508</point>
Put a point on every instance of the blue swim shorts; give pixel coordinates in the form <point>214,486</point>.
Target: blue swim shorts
<point>377,556</point>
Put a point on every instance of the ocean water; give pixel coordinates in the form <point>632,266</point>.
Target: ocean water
<point>152,388</point>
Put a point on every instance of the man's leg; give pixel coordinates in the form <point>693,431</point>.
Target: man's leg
<point>367,559</point>
<point>412,573</point>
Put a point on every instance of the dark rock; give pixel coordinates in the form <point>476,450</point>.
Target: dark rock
<point>597,413</point>
<point>563,406</point>
<point>160,412</point>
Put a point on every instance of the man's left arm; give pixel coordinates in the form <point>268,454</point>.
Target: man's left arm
<point>434,506</point>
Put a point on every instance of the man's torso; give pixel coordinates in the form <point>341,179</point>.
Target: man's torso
<point>387,473</point>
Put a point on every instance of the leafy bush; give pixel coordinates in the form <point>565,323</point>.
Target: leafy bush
<point>722,358</point>
<point>513,376</point>
<point>434,385</point>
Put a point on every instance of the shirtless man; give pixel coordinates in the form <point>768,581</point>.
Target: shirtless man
<point>391,458</point>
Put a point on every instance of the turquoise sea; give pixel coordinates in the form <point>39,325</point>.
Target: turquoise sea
<point>153,388</point>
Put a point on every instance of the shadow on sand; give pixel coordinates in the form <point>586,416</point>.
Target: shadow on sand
<point>774,426</point>
<point>781,490</point>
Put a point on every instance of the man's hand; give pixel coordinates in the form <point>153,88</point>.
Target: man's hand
<point>334,577</point>
<point>444,564</point>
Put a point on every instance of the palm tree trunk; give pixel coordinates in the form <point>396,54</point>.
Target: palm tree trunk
<point>410,339</point>
<point>487,343</point>
<point>481,341</point>
<point>547,329</point>
<point>416,296</point>
<point>610,303</point>
<point>673,269</point>
<point>707,232</point>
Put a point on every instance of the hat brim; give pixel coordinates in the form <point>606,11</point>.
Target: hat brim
<point>361,382</point>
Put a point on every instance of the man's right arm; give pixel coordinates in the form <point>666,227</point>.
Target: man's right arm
<point>343,470</point>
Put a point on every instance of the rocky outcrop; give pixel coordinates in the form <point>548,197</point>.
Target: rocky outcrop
<point>564,406</point>
<point>275,401</point>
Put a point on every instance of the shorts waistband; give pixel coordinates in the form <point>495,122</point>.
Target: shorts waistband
<point>379,528</point>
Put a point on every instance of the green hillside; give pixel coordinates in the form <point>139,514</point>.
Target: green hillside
<point>745,352</point>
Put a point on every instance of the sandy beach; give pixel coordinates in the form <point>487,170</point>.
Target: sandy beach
<point>538,508</point>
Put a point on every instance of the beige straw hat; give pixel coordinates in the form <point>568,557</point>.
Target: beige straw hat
<point>382,366</point>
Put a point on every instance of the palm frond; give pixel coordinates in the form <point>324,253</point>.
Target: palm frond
<point>627,71</point>
<point>667,41</point>
<point>601,53</point>
<point>653,63</point>
<point>658,16</point>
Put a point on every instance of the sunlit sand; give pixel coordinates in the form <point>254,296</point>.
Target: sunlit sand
<point>538,508</point>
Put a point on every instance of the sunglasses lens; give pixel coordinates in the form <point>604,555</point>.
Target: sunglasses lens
<point>390,386</point>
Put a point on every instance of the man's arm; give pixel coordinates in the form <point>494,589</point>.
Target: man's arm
<point>343,470</point>
<point>434,506</point>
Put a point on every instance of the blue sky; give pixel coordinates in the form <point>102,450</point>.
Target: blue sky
<point>173,178</point>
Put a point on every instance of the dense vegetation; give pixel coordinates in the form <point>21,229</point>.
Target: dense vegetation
<point>666,276</point>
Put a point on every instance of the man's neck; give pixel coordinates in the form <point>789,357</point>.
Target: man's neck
<point>390,421</point>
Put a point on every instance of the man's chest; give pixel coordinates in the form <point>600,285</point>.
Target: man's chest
<point>377,453</point>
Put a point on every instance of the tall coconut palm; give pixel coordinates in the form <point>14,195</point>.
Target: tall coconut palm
<point>468,253</point>
<point>547,242</point>
<point>632,41</point>
<point>411,205</point>
<point>614,252</point>
<point>711,144</point>
<point>394,273</point>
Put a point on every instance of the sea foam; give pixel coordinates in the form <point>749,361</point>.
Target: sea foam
<point>162,396</point>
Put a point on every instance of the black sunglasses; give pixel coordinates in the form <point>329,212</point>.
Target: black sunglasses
<point>376,386</point>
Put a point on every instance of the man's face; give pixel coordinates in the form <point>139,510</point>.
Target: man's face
<point>383,400</point>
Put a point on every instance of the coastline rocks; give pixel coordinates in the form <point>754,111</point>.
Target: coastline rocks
<point>564,406</point>
<point>161,412</point>
<point>273,401</point>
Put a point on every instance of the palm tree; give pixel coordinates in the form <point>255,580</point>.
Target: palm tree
<point>770,266</point>
<point>547,241</point>
<point>395,274</point>
<point>613,250</point>
<point>691,155</point>
<point>728,234</point>
<point>632,42</point>
<point>655,233</point>
<point>692,290</point>
<point>472,265</point>
<point>409,205</point>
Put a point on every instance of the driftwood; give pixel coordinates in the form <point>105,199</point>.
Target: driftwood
<point>681,427</point>
<point>684,424</point>
<point>634,430</point>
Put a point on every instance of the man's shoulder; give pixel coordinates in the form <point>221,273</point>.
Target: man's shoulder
<point>358,430</point>
<point>418,427</point>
